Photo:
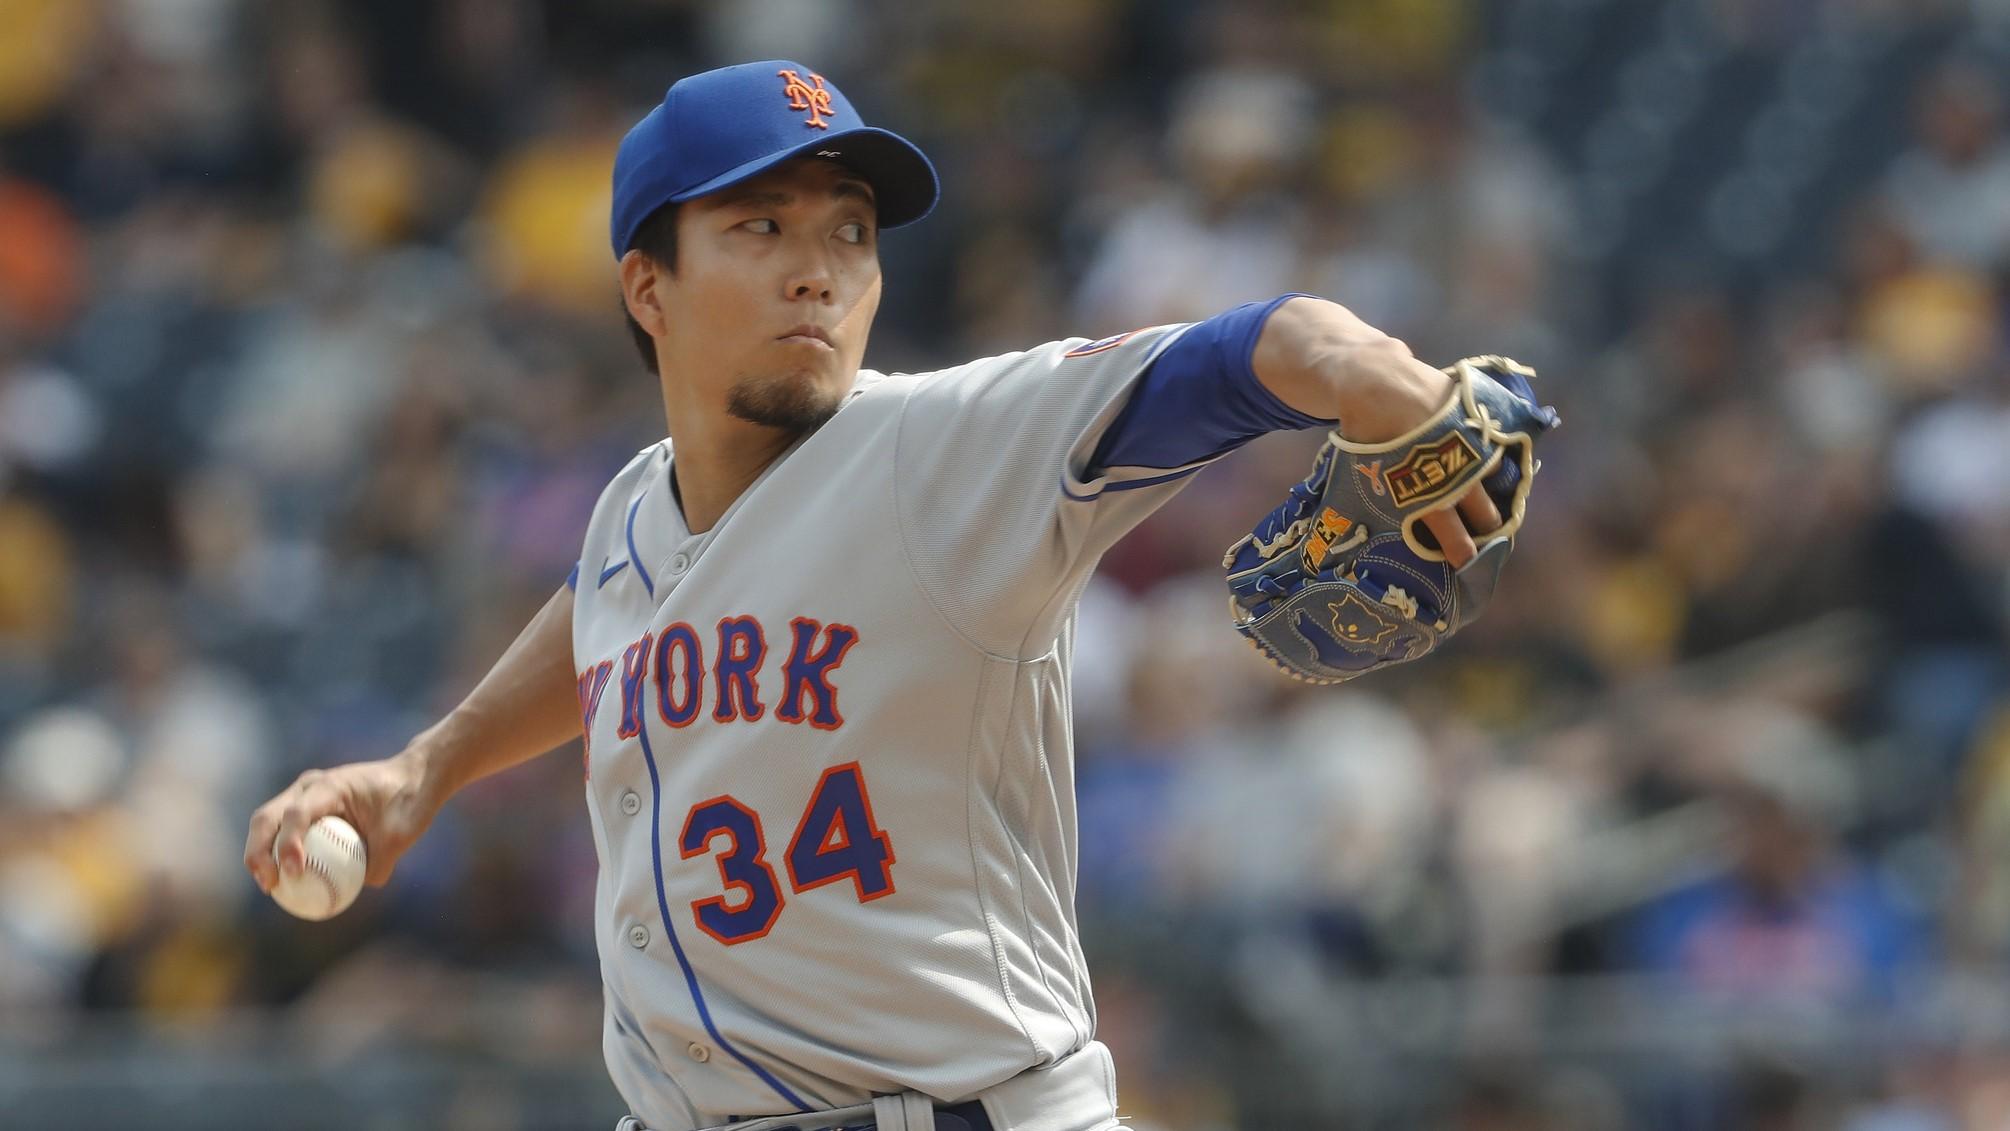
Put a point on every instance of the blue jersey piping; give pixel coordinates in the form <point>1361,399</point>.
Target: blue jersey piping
<point>663,906</point>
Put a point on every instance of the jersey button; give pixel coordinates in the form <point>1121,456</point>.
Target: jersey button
<point>699,1052</point>
<point>680,563</point>
<point>630,803</point>
<point>638,936</point>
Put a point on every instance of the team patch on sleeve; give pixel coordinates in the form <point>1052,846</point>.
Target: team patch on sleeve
<point>1109,343</point>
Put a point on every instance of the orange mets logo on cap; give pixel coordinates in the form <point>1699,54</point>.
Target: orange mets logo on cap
<point>809,96</point>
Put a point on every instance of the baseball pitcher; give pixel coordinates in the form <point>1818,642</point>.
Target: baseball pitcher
<point>818,639</point>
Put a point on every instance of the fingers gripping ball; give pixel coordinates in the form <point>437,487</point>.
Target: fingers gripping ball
<point>1343,578</point>
<point>332,876</point>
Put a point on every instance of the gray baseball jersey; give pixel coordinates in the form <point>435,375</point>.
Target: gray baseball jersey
<point>828,754</point>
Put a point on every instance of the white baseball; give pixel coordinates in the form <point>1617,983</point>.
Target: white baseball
<point>333,876</point>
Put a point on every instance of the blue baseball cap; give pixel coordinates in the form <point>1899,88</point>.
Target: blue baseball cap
<point>721,127</point>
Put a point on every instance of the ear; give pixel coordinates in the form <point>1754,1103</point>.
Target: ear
<point>639,276</point>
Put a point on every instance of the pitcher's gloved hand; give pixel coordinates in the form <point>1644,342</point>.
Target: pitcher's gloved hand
<point>1344,577</point>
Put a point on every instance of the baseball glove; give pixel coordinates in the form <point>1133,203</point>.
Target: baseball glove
<point>1343,579</point>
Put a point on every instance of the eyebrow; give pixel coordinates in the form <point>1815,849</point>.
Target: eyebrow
<point>857,190</point>
<point>849,188</point>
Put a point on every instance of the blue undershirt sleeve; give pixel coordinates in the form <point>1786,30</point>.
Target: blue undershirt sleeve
<point>1200,398</point>
<point>572,579</point>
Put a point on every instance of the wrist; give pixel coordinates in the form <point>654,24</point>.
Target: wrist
<point>1386,392</point>
<point>428,769</point>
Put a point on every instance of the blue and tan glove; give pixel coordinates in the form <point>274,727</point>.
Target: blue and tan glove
<point>1343,578</point>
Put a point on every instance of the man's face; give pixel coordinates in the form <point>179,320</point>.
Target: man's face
<point>774,292</point>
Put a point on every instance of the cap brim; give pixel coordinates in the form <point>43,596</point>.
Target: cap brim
<point>903,181</point>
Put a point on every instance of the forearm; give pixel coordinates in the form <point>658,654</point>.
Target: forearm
<point>523,707</point>
<point>1321,359</point>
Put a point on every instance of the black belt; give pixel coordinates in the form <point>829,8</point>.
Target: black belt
<point>963,1117</point>
<point>967,1116</point>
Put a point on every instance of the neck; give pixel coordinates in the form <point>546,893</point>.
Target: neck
<point>717,458</point>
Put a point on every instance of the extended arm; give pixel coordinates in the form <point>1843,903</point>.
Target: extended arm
<point>1319,358</point>
<point>1294,362</point>
<point>1370,560</point>
<point>523,707</point>
<point>1323,360</point>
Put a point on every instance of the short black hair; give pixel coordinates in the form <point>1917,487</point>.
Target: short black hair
<point>657,239</point>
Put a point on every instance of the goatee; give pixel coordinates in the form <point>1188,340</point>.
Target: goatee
<point>791,406</point>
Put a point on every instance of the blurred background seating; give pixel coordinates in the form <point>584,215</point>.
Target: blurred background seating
<point>311,367</point>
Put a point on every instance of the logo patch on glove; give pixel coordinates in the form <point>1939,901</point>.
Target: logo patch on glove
<point>1326,533</point>
<point>1355,621</point>
<point>1427,470</point>
<point>1373,470</point>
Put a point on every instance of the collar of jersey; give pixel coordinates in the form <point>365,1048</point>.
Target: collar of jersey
<point>674,534</point>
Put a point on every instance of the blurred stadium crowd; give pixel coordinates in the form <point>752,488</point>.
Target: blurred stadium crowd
<point>311,367</point>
